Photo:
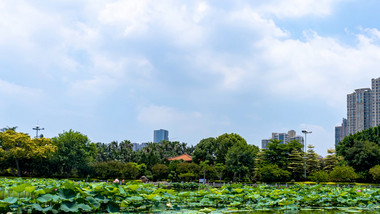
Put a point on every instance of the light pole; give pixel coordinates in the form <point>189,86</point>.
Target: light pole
<point>305,132</point>
<point>38,129</point>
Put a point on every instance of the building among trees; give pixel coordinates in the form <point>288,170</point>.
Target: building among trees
<point>285,138</point>
<point>363,111</point>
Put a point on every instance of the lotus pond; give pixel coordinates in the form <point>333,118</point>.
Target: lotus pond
<point>56,196</point>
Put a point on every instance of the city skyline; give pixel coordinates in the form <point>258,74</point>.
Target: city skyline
<point>117,69</point>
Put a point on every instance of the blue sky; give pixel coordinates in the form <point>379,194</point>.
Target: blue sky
<point>117,70</point>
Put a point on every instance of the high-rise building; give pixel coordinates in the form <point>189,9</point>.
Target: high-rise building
<point>283,137</point>
<point>375,105</point>
<point>264,143</point>
<point>363,111</point>
<point>160,135</point>
<point>341,131</point>
<point>359,110</point>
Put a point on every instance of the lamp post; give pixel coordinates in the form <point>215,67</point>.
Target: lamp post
<point>305,132</point>
<point>38,129</point>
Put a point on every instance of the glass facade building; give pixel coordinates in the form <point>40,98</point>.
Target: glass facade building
<point>160,135</point>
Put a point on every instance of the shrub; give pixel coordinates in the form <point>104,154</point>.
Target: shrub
<point>272,172</point>
<point>116,169</point>
<point>109,169</point>
<point>375,173</point>
<point>343,174</point>
<point>183,168</point>
<point>160,171</point>
<point>130,170</point>
<point>319,176</point>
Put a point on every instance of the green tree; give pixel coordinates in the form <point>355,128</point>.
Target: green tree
<point>8,128</point>
<point>240,159</point>
<point>204,165</point>
<point>371,134</point>
<point>312,161</point>
<point>319,176</point>
<point>109,169</point>
<point>205,151</point>
<point>363,155</point>
<point>160,171</point>
<point>343,174</point>
<point>219,169</point>
<point>130,170</point>
<point>331,160</point>
<point>297,164</point>
<point>74,155</point>
<point>188,170</point>
<point>126,152</point>
<point>224,143</point>
<point>17,146</point>
<point>375,173</point>
<point>272,172</point>
<point>278,153</point>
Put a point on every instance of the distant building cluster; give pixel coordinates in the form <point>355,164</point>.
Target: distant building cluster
<point>363,111</point>
<point>158,136</point>
<point>138,146</point>
<point>283,137</point>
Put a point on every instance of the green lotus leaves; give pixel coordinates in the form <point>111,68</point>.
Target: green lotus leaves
<point>10,200</point>
<point>30,189</point>
<point>67,194</point>
<point>57,196</point>
<point>45,198</point>
<point>69,207</point>
<point>113,208</point>
<point>21,187</point>
<point>93,202</point>
<point>38,207</point>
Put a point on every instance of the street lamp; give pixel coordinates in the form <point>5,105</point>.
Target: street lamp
<point>305,132</point>
<point>38,129</point>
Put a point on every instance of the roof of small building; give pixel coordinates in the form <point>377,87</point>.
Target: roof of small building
<point>184,157</point>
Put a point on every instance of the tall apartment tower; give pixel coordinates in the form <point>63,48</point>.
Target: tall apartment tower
<point>341,131</point>
<point>363,111</point>
<point>359,110</point>
<point>160,135</point>
<point>375,105</point>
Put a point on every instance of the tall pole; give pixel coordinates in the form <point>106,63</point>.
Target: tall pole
<point>37,128</point>
<point>305,132</point>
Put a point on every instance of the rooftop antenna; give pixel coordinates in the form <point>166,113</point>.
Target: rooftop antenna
<point>37,128</point>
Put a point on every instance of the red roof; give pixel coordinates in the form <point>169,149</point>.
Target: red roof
<point>184,157</point>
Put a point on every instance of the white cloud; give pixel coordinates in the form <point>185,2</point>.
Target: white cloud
<point>251,19</point>
<point>132,16</point>
<point>318,67</point>
<point>10,91</point>
<point>297,8</point>
<point>108,74</point>
<point>173,19</point>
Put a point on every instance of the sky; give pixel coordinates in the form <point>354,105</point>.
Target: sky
<point>118,69</point>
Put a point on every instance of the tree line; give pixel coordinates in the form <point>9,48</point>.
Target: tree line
<point>225,158</point>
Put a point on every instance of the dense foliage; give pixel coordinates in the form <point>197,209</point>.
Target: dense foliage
<point>361,150</point>
<point>225,158</point>
<point>53,196</point>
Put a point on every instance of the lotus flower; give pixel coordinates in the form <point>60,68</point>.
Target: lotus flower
<point>116,180</point>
